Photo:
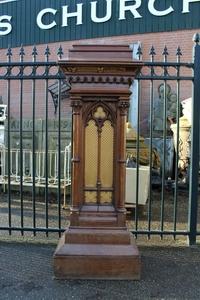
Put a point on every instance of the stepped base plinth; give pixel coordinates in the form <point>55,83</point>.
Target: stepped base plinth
<point>97,253</point>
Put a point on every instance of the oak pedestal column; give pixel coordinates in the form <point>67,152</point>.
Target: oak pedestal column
<point>97,243</point>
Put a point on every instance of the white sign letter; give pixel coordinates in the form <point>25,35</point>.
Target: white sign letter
<point>77,14</point>
<point>156,12</point>
<point>7,26</point>
<point>186,3</point>
<point>94,12</point>
<point>40,16</point>
<point>133,8</point>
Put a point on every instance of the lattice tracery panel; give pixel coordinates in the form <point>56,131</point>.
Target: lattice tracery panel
<point>106,197</point>
<point>106,164</point>
<point>91,197</point>
<point>91,154</point>
<point>99,152</point>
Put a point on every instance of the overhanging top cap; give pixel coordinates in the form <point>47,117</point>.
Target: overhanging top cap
<point>100,53</point>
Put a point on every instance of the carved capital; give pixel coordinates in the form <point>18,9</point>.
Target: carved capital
<point>123,106</point>
<point>76,106</point>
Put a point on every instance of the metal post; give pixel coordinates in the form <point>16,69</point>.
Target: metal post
<point>194,162</point>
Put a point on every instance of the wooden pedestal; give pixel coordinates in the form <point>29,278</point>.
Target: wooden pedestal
<point>97,244</point>
<point>102,252</point>
<point>96,261</point>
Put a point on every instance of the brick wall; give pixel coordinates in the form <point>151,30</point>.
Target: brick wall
<point>159,40</point>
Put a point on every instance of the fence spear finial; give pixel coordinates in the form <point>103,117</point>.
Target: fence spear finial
<point>47,53</point>
<point>21,53</point>
<point>139,52</point>
<point>178,54</point>
<point>9,53</point>
<point>60,52</point>
<point>34,53</point>
<point>152,53</point>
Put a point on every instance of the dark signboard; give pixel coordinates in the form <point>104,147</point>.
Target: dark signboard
<point>30,22</point>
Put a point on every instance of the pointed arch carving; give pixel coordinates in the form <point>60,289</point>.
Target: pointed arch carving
<point>89,113</point>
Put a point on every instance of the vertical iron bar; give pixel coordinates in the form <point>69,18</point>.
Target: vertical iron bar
<point>177,146</point>
<point>9,164</point>
<point>59,155</point>
<point>165,53</point>
<point>194,163</point>
<point>164,159</point>
<point>46,158</point>
<point>150,156</point>
<point>152,53</point>
<point>139,56</point>
<point>33,146</point>
<point>177,158</point>
<point>21,140</point>
<point>47,53</point>
<point>21,154</point>
<point>137,157</point>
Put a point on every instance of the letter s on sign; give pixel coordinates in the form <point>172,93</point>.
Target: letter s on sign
<point>7,27</point>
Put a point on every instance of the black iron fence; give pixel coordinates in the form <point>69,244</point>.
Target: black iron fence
<point>185,174</point>
<point>35,159</point>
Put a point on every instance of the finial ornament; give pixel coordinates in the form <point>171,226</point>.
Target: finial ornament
<point>34,53</point>
<point>60,52</point>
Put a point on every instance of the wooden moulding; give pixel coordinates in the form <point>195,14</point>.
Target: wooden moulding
<point>97,244</point>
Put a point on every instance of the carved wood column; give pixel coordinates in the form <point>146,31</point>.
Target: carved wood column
<point>76,158</point>
<point>123,106</point>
